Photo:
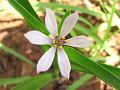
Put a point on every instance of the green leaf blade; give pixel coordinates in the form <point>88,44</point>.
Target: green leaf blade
<point>80,82</point>
<point>93,67</point>
<point>56,6</point>
<point>35,82</point>
<point>29,15</point>
<point>9,81</point>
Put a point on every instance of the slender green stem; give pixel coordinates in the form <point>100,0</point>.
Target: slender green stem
<point>102,5</point>
<point>106,37</point>
<point>110,21</point>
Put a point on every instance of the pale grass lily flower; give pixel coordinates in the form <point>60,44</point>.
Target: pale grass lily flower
<point>57,41</point>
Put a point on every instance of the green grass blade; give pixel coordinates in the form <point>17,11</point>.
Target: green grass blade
<point>15,53</point>
<point>56,6</point>
<point>80,82</point>
<point>93,67</point>
<point>9,81</point>
<point>28,14</point>
<point>34,83</point>
<point>28,7</point>
<point>103,7</point>
<point>110,21</point>
<point>61,22</point>
<point>116,71</point>
<point>86,22</point>
<point>89,33</point>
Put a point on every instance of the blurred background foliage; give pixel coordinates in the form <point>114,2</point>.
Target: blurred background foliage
<point>98,19</point>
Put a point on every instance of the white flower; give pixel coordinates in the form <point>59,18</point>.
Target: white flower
<point>57,42</point>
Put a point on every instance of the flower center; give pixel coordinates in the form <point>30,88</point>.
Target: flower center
<point>58,42</point>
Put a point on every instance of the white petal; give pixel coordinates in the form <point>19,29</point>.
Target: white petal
<point>68,24</point>
<point>46,60</point>
<point>36,37</point>
<point>79,41</point>
<point>63,63</point>
<point>51,22</point>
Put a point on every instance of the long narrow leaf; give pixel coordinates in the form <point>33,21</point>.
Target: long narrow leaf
<point>88,32</point>
<point>9,81</point>
<point>17,54</point>
<point>56,5</point>
<point>114,70</point>
<point>80,82</point>
<point>93,67</point>
<point>86,22</point>
<point>61,23</point>
<point>34,83</point>
<point>28,14</point>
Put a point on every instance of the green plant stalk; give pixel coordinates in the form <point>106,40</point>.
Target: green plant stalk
<point>106,37</point>
<point>102,5</point>
<point>110,21</point>
<point>17,54</point>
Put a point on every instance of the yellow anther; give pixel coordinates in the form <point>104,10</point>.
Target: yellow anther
<point>60,42</point>
<point>53,41</point>
<point>60,46</point>
<point>55,45</point>
<point>51,36</point>
<point>56,34</point>
<point>62,37</point>
<point>66,40</point>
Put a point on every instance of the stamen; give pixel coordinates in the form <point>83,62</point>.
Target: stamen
<point>63,38</point>
<point>51,36</point>
<point>66,40</point>
<point>53,41</point>
<point>58,42</point>
<point>55,46</point>
<point>56,34</point>
<point>60,47</point>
